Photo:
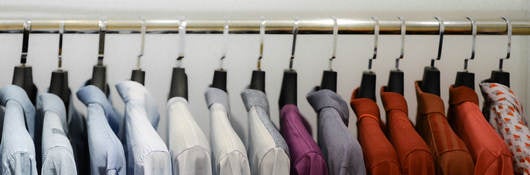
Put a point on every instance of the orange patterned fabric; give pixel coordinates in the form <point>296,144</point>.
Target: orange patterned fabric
<point>450,153</point>
<point>487,148</point>
<point>507,118</point>
<point>379,155</point>
<point>415,157</point>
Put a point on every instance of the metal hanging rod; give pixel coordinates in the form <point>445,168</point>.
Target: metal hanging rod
<point>315,26</point>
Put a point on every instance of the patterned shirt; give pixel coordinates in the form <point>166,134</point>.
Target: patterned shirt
<point>507,117</point>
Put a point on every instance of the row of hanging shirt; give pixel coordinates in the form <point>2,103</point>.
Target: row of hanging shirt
<point>55,140</point>
<point>129,144</point>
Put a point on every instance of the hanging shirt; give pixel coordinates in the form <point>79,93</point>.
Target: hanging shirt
<point>489,152</point>
<point>450,153</point>
<point>380,156</point>
<point>415,157</point>
<point>343,153</point>
<point>307,159</point>
<point>75,131</point>
<point>107,155</point>
<point>57,153</point>
<point>268,152</point>
<point>229,153</point>
<point>146,151</point>
<point>507,118</point>
<point>17,149</point>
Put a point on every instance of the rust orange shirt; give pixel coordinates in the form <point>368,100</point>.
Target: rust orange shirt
<point>488,150</point>
<point>414,155</point>
<point>379,155</point>
<point>450,153</point>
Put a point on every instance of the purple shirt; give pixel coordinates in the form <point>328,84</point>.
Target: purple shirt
<point>306,157</point>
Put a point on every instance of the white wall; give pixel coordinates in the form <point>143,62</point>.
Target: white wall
<point>202,51</point>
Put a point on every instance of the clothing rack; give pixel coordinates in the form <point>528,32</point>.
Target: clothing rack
<point>311,26</point>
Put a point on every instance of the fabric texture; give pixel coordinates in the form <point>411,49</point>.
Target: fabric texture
<point>229,153</point>
<point>415,157</point>
<point>17,148</point>
<point>488,150</point>
<point>450,153</point>
<point>507,118</point>
<point>57,153</point>
<point>306,157</point>
<point>268,152</point>
<point>380,156</point>
<point>107,155</point>
<point>343,153</point>
<point>146,151</point>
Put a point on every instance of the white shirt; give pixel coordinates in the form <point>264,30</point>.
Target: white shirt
<point>147,153</point>
<point>230,155</point>
<point>188,145</point>
<point>268,152</point>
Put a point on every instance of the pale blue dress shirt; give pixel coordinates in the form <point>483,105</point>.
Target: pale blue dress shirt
<point>106,151</point>
<point>57,153</point>
<point>17,149</point>
<point>147,153</point>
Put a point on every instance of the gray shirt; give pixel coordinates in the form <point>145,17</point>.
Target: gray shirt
<point>267,150</point>
<point>343,153</point>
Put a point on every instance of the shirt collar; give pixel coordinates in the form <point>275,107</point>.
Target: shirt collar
<point>325,98</point>
<point>462,94</point>
<point>12,92</point>
<point>393,101</point>
<point>364,106</point>
<point>215,95</point>
<point>134,92</point>
<point>497,91</point>
<point>427,102</point>
<point>93,95</point>
<point>51,102</point>
<point>253,98</point>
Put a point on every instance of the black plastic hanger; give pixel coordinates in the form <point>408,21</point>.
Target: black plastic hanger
<point>367,88</point>
<point>500,76</point>
<point>59,79</point>
<point>219,76</point>
<point>179,79</point>
<point>466,78</point>
<point>138,74</point>
<point>23,74</point>
<point>257,81</point>
<point>431,75</point>
<point>289,90</point>
<point>396,77</point>
<point>329,77</point>
<point>99,71</point>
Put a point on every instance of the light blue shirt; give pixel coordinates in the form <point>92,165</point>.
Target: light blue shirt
<point>17,149</point>
<point>57,153</point>
<point>146,151</point>
<point>106,151</point>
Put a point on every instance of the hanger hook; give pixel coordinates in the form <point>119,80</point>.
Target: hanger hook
<point>441,29</point>
<point>25,42</point>
<point>226,32</point>
<point>60,49</point>
<point>376,41</point>
<point>509,46</point>
<point>101,48</point>
<point>403,32</point>
<point>293,49</point>
<point>182,41</point>
<point>334,47</point>
<point>473,41</point>
<point>261,45</point>
<point>143,31</point>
